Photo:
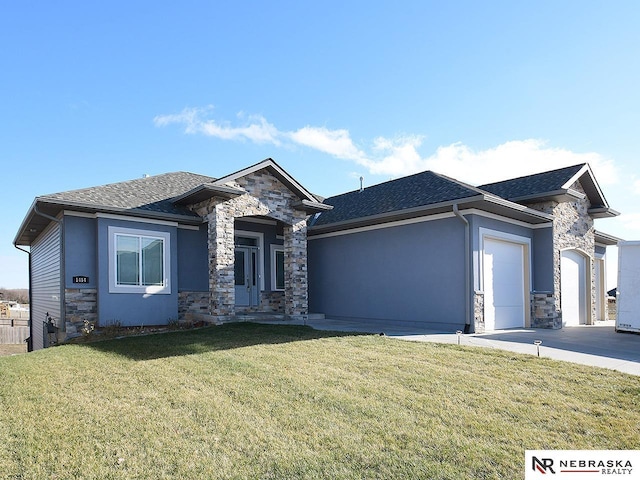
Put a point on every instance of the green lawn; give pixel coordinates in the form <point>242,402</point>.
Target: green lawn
<point>258,401</point>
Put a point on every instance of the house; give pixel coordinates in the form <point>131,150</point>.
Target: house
<point>423,249</point>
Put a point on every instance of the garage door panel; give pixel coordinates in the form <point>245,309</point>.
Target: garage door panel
<point>504,284</point>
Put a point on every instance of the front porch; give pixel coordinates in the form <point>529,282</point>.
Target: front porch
<point>256,245</point>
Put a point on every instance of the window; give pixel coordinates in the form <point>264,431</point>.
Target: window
<point>277,267</point>
<point>138,261</point>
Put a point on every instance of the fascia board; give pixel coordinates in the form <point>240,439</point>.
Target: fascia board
<point>25,222</point>
<point>606,239</point>
<point>586,169</point>
<point>205,191</point>
<point>311,207</point>
<point>603,212</point>
<point>135,212</point>
<point>520,208</point>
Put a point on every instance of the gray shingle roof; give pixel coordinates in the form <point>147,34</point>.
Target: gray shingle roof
<point>153,194</point>
<point>537,184</point>
<point>421,189</point>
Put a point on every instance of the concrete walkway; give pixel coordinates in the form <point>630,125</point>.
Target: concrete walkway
<point>596,345</point>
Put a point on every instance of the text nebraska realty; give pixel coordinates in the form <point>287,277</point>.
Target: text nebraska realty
<point>605,467</point>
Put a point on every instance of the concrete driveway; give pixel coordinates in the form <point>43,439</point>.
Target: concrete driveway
<point>596,345</point>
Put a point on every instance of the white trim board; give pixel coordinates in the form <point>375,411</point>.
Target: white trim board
<point>260,237</point>
<point>428,218</point>
<point>397,223</point>
<point>505,237</point>
<point>128,218</point>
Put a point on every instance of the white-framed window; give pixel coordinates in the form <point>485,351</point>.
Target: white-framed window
<point>139,261</point>
<point>277,267</point>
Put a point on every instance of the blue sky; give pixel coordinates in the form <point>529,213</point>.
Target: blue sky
<point>481,91</point>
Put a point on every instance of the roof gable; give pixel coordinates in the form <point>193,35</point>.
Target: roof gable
<point>555,185</point>
<point>277,171</point>
<point>534,185</point>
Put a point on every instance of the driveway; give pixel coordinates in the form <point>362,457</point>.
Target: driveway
<point>596,345</point>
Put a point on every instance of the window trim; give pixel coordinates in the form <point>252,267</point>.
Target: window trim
<point>164,289</point>
<point>274,249</point>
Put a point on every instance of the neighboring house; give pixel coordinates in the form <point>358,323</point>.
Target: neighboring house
<point>423,249</point>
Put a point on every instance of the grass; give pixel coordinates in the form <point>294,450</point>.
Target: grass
<point>258,401</point>
<point>11,349</point>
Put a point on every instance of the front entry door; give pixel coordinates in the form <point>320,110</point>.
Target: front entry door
<point>246,276</point>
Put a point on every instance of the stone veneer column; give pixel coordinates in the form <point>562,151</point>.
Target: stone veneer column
<point>572,229</point>
<point>296,302</point>
<point>221,261</point>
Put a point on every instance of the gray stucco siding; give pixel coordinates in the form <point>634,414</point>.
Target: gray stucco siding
<point>135,309</point>
<point>193,268</point>
<point>543,260</point>
<point>80,251</point>
<point>407,273</point>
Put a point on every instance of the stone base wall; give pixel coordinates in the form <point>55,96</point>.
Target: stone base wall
<point>272,302</point>
<point>80,304</point>
<point>478,312</point>
<point>543,311</point>
<point>190,303</point>
<point>612,308</point>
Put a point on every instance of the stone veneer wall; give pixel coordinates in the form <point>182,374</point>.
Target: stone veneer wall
<point>272,301</point>
<point>190,303</point>
<point>80,304</point>
<point>543,311</point>
<point>572,228</point>
<point>266,196</point>
<point>478,312</point>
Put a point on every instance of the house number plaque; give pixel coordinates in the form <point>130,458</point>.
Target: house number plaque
<point>80,279</point>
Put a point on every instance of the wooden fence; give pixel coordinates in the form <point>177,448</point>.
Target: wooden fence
<point>13,331</point>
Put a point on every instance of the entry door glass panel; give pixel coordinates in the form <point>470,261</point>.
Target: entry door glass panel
<point>239,270</point>
<point>246,273</point>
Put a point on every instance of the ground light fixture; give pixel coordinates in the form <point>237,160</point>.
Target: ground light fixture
<point>458,333</point>
<point>537,343</point>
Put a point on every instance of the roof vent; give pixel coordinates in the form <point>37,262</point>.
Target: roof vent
<point>361,185</point>
<point>145,175</point>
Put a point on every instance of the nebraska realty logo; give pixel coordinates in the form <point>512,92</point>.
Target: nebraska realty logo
<point>577,464</point>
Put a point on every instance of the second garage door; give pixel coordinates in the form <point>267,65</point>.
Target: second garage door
<point>504,284</point>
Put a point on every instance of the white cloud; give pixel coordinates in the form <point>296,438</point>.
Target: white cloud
<point>513,159</point>
<point>255,129</point>
<point>334,142</point>
<point>394,157</point>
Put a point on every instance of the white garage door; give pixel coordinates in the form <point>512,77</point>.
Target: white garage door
<point>573,288</point>
<point>504,284</point>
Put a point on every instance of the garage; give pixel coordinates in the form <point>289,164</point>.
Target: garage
<point>573,288</point>
<point>504,284</point>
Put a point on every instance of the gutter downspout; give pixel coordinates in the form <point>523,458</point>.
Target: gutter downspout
<point>63,327</point>
<point>467,270</point>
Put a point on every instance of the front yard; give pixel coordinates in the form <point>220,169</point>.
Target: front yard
<point>258,401</point>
